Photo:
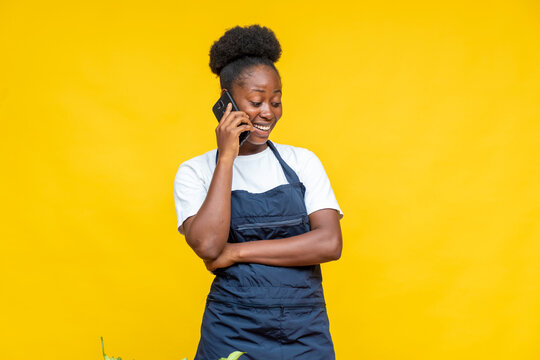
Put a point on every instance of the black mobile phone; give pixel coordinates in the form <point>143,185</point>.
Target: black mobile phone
<point>220,107</point>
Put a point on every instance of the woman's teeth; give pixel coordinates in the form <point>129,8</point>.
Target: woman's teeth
<point>260,127</point>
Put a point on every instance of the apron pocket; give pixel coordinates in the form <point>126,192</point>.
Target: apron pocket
<point>267,230</point>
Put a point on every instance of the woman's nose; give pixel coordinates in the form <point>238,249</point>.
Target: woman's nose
<point>266,113</point>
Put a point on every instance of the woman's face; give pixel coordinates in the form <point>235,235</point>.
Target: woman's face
<point>259,95</point>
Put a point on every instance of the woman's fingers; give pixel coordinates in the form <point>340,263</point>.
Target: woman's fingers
<point>208,265</point>
<point>239,121</point>
<point>228,116</point>
<point>240,129</point>
<point>234,119</point>
<point>228,110</point>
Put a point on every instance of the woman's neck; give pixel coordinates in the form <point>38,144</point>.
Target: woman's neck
<point>248,148</point>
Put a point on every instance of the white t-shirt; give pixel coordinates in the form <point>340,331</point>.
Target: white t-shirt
<point>255,173</point>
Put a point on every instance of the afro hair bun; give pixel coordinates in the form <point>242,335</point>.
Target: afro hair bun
<point>238,42</point>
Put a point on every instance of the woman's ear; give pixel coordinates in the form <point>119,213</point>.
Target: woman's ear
<point>223,91</point>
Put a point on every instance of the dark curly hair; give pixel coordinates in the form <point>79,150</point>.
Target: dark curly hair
<point>241,48</point>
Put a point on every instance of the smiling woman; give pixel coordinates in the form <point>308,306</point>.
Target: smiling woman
<point>261,216</point>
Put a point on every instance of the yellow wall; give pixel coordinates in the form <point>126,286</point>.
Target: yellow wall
<point>425,115</point>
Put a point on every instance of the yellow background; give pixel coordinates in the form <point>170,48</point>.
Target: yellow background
<point>425,114</point>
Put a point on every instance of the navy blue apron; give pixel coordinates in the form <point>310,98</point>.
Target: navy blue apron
<point>270,312</point>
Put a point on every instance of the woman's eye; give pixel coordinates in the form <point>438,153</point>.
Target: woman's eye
<point>276,104</point>
<point>256,103</point>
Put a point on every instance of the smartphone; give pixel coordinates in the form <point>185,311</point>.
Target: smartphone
<point>220,107</point>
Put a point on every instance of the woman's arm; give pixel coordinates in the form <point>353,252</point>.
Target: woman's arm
<point>207,231</point>
<point>321,244</point>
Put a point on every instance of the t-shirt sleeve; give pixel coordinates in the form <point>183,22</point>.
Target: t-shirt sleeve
<point>319,192</point>
<point>189,193</point>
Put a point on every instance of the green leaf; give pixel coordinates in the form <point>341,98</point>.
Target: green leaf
<point>235,355</point>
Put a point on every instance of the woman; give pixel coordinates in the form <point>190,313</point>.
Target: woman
<point>262,216</point>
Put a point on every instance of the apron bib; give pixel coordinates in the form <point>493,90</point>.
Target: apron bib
<point>270,312</point>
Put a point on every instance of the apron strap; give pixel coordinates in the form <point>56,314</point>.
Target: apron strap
<point>289,173</point>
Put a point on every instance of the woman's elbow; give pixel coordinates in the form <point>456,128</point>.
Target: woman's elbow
<point>206,250</point>
<point>335,246</point>
<point>337,251</point>
<point>210,253</point>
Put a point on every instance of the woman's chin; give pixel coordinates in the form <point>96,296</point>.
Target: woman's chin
<point>256,140</point>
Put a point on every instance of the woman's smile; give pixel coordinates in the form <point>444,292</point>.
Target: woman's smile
<point>261,127</point>
<point>262,130</point>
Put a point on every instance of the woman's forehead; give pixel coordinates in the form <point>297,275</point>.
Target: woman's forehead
<point>261,80</point>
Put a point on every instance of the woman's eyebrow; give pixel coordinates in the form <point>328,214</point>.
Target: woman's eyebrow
<point>261,90</point>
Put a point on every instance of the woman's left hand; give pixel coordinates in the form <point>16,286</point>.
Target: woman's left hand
<point>225,259</point>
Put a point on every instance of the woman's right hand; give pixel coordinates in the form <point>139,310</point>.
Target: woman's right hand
<point>228,131</point>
